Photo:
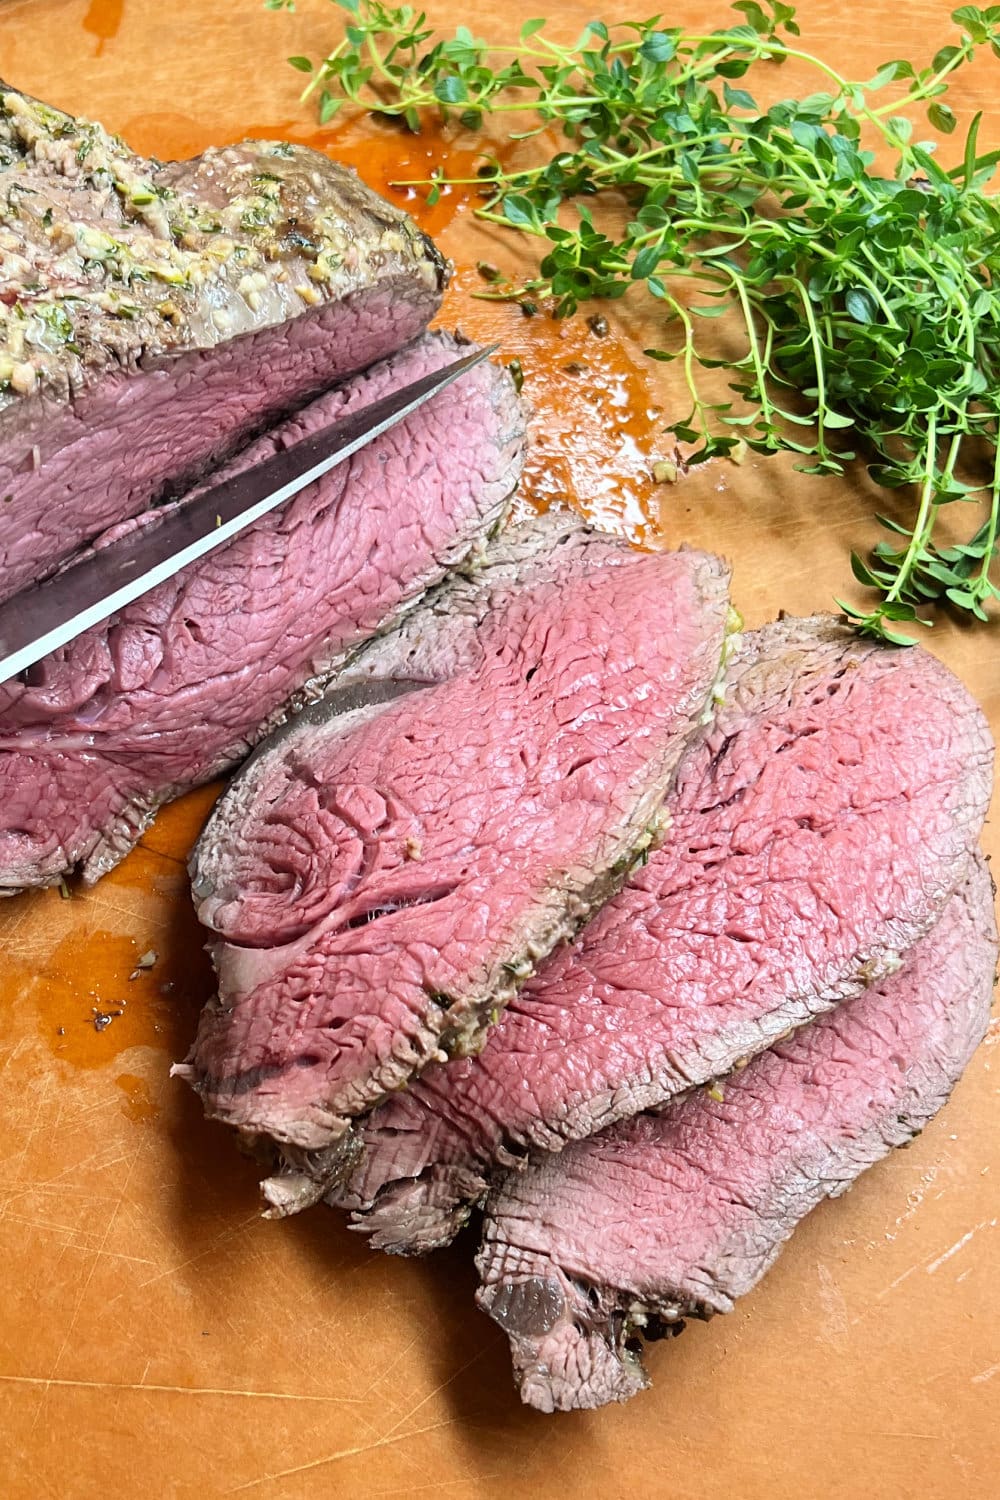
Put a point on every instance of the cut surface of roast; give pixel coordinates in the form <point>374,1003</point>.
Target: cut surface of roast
<point>379,883</point>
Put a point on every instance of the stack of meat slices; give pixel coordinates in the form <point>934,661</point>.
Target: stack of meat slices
<point>789,984</point>
<point>416,1014</point>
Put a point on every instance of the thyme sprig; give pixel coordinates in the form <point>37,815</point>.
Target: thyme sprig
<point>863,275</point>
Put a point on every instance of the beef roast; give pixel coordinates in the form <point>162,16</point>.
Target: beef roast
<point>179,685</point>
<point>667,1216</point>
<point>152,317</point>
<point>380,882</point>
<point>817,829</point>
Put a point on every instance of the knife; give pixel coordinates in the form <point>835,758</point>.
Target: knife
<point>46,616</point>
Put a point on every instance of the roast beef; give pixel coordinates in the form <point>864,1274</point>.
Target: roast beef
<point>667,1216</point>
<point>379,883</point>
<point>152,317</point>
<point>182,682</point>
<point>817,829</point>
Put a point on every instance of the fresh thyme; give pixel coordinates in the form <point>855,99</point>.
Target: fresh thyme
<point>868,295</point>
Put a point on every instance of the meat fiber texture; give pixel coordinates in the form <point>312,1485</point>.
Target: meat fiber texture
<point>817,829</point>
<point>154,317</point>
<point>176,688</point>
<point>380,882</point>
<point>662,1217</point>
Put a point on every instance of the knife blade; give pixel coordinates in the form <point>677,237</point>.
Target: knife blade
<point>46,616</point>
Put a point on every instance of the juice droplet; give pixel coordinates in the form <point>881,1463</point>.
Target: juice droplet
<point>103,20</point>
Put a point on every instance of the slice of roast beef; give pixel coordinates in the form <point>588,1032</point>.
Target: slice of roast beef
<point>154,317</point>
<point>177,687</point>
<point>817,829</point>
<point>380,883</point>
<point>665,1217</point>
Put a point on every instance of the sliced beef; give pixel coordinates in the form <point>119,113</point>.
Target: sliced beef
<point>178,686</point>
<point>380,883</point>
<point>665,1217</point>
<point>153,317</point>
<point>817,829</point>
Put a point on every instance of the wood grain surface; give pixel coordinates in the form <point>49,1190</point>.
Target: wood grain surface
<point>157,1337</point>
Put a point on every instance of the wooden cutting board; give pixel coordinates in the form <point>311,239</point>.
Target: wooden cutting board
<point>157,1337</point>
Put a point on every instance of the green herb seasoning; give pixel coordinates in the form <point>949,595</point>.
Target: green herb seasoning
<point>867,295</point>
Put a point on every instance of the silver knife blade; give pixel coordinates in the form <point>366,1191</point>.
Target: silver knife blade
<point>48,615</point>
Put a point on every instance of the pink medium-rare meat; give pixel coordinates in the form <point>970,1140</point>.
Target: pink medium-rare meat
<point>817,829</point>
<point>156,316</point>
<point>174,690</point>
<point>378,884</point>
<point>673,1215</point>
